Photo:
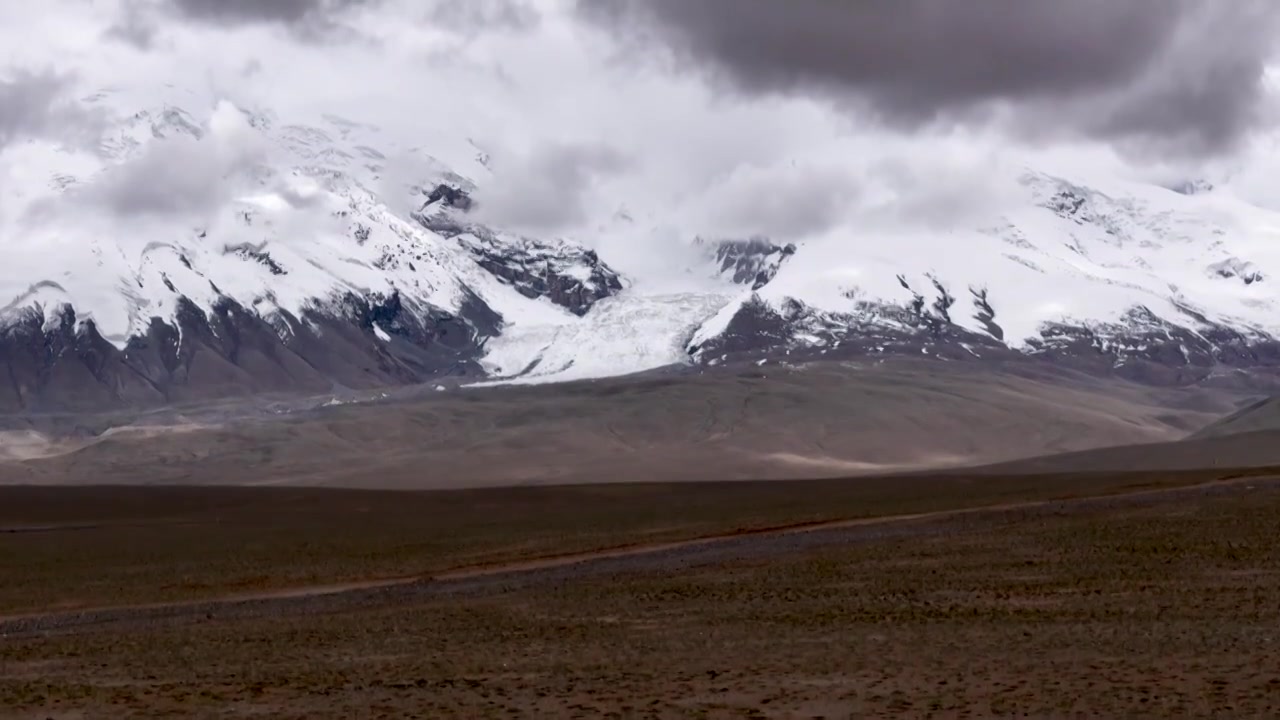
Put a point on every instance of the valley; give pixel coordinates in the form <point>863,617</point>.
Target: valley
<point>822,419</point>
<point>572,549</point>
<point>644,359</point>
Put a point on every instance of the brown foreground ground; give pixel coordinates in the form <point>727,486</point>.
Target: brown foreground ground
<point>1068,596</point>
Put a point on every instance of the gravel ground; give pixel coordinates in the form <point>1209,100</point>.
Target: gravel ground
<point>667,558</point>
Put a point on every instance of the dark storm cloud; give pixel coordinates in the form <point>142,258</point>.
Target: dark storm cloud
<point>252,11</point>
<point>1178,69</point>
<point>141,23</point>
<point>316,20</point>
<point>35,105</point>
<point>135,27</point>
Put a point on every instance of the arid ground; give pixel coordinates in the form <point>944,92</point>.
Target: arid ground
<point>1068,595</point>
<point>771,422</point>
<point>321,558</point>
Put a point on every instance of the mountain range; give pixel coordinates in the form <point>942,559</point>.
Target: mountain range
<point>344,261</point>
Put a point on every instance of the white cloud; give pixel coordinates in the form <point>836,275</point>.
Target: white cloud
<point>549,189</point>
<point>184,174</point>
<point>574,133</point>
<point>786,202</point>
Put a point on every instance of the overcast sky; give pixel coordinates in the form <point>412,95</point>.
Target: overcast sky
<point>783,117</point>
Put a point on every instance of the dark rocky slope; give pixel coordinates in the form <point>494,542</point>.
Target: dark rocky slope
<point>69,366</point>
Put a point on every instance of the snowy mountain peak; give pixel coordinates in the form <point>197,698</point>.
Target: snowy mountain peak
<point>198,254</point>
<point>568,274</point>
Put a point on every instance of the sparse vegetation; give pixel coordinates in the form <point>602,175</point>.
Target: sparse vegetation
<point>86,547</point>
<point>1119,608</point>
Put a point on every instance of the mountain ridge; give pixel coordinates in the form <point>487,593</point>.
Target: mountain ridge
<point>308,278</point>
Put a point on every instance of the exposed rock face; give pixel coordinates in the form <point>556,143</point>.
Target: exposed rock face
<point>259,255</point>
<point>444,211</point>
<point>1140,347</point>
<point>55,364</point>
<point>986,314</point>
<point>1149,349</point>
<point>1237,269</point>
<point>449,196</point>
<point>361,342</point>
<point>753,262</point>
<point>760,331</point>
<point>568,275</point>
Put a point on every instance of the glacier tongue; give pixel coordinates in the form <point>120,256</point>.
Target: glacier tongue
<point>620,336</point>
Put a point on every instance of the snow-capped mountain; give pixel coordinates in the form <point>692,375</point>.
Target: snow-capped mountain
<point>326,255</point>
<point>565,273</point>
<point>1112,276</point>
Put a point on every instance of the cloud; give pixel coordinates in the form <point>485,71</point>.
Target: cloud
<point>753,134</point>
<point>549,189</point>
<point>313,20</point>
<point>471,16</point>
<point>784,203</point>
<point>1188,71</point>
<point>183,174</point>
<point>141,22</point>
<point>135,27</point>
<point>34,105</point>
<point>957,182</point>
<point>234,12</point>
